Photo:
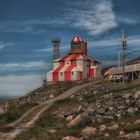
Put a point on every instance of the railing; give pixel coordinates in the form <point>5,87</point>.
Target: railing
<point>129,68</point>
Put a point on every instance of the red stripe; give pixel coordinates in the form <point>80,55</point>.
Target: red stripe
<point>76,56</point>
<point>56,72</point>
<point>92,73</point>
<point>67,73</point>
<point>64,57</point>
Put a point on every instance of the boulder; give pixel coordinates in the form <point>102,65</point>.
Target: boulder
<point>51,96</point>
<point>80,119</point>
<point>137,95</point>
<point>113,127</point>
<point>52,131</point>
<point>69,118</point>
<point>70,138</point>
<point>1,111</point>
<point>75,121</point>
<point>79,108</point>
<point>137,121</point>
<point>121,133</point>
<point>132,136</point>
<point>88,132</point>
<point>106,134</point>
<point>90,110</point>
<point>131,111</point>
<point>102,127</point>
<point>61,116</point>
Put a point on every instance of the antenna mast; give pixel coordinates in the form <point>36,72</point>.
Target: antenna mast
<point>123,54</point>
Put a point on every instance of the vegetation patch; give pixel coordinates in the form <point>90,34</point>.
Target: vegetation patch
<point>14,113</point>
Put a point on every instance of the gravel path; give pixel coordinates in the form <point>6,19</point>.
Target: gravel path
<point>30,117</point>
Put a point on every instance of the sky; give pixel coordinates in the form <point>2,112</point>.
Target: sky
<point>28,26</point>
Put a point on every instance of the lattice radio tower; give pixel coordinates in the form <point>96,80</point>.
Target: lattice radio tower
<point>56,52</point>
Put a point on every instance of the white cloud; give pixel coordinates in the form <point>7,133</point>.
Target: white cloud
<point>127,20</point>
<point>50,49</point>
<point>132,42</point>
<point>96,17</point>
<point>24,66</point>
<point>19,85</point>
<point>5,44</point>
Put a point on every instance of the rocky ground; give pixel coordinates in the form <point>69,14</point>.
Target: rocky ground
<point>102,111</point>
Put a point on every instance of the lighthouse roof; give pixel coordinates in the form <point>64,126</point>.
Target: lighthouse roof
<point>77,38</point>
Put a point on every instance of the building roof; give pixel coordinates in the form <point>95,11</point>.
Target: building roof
<point>135,60</point>
<point>77,38</point>
<point>72,57</point>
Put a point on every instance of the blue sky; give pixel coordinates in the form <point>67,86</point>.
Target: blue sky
<point>27,27</point>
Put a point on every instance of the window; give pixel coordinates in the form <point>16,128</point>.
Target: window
<point>61,73</point>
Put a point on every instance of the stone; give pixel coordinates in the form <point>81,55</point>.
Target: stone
<point>34,138</point>
<point>101,111</point>
<point>121,133</point>
<point>76,121</point>
<point>111,108</point>
<point>137,94</point>
<point>70,138</point>
<point>102,127</point>
<point>128,124</point>
<point>69,118</point>
<point>126,95</point>
<point>60,116</point>
<point>132,136</point>
<point>51,96</point>
<point>113,127</point>
<point>72,96</point>
<point>90,111</point>
<point>52,131</point>
<point>106,134</point>
<point>137,121</point>
<point>131,111</point>
<point>1,111</point>
<point>79,108</point>
<point>88,131</point>
<point>80,99</point>
<point>95,92</point>
<point>99,120</point>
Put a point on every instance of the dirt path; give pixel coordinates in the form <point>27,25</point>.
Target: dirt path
<point>30,117</point>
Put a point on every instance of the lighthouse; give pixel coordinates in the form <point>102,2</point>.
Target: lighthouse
<point>76,65</point>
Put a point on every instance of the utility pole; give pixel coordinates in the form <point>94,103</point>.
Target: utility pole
<point>123,55</point>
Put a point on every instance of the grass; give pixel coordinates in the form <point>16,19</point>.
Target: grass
<point>14,113</point>
<point>128,86</point>
<point>48,121</point>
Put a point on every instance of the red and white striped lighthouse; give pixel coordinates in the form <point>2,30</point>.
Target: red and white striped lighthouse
<point>76,65</point>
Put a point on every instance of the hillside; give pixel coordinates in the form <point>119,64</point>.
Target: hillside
<point>101,111</point>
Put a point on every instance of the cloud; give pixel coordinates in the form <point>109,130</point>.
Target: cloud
<point>31,25</point>
<point>19,85</point>
<point>132,42</point>
<point>62,47</point>
<point>28,66</point>
<point>127,20</point>
<point>96,17</point>
<point>5,44</point>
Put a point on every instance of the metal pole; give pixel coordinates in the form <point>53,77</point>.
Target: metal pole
<point>123,55</point>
